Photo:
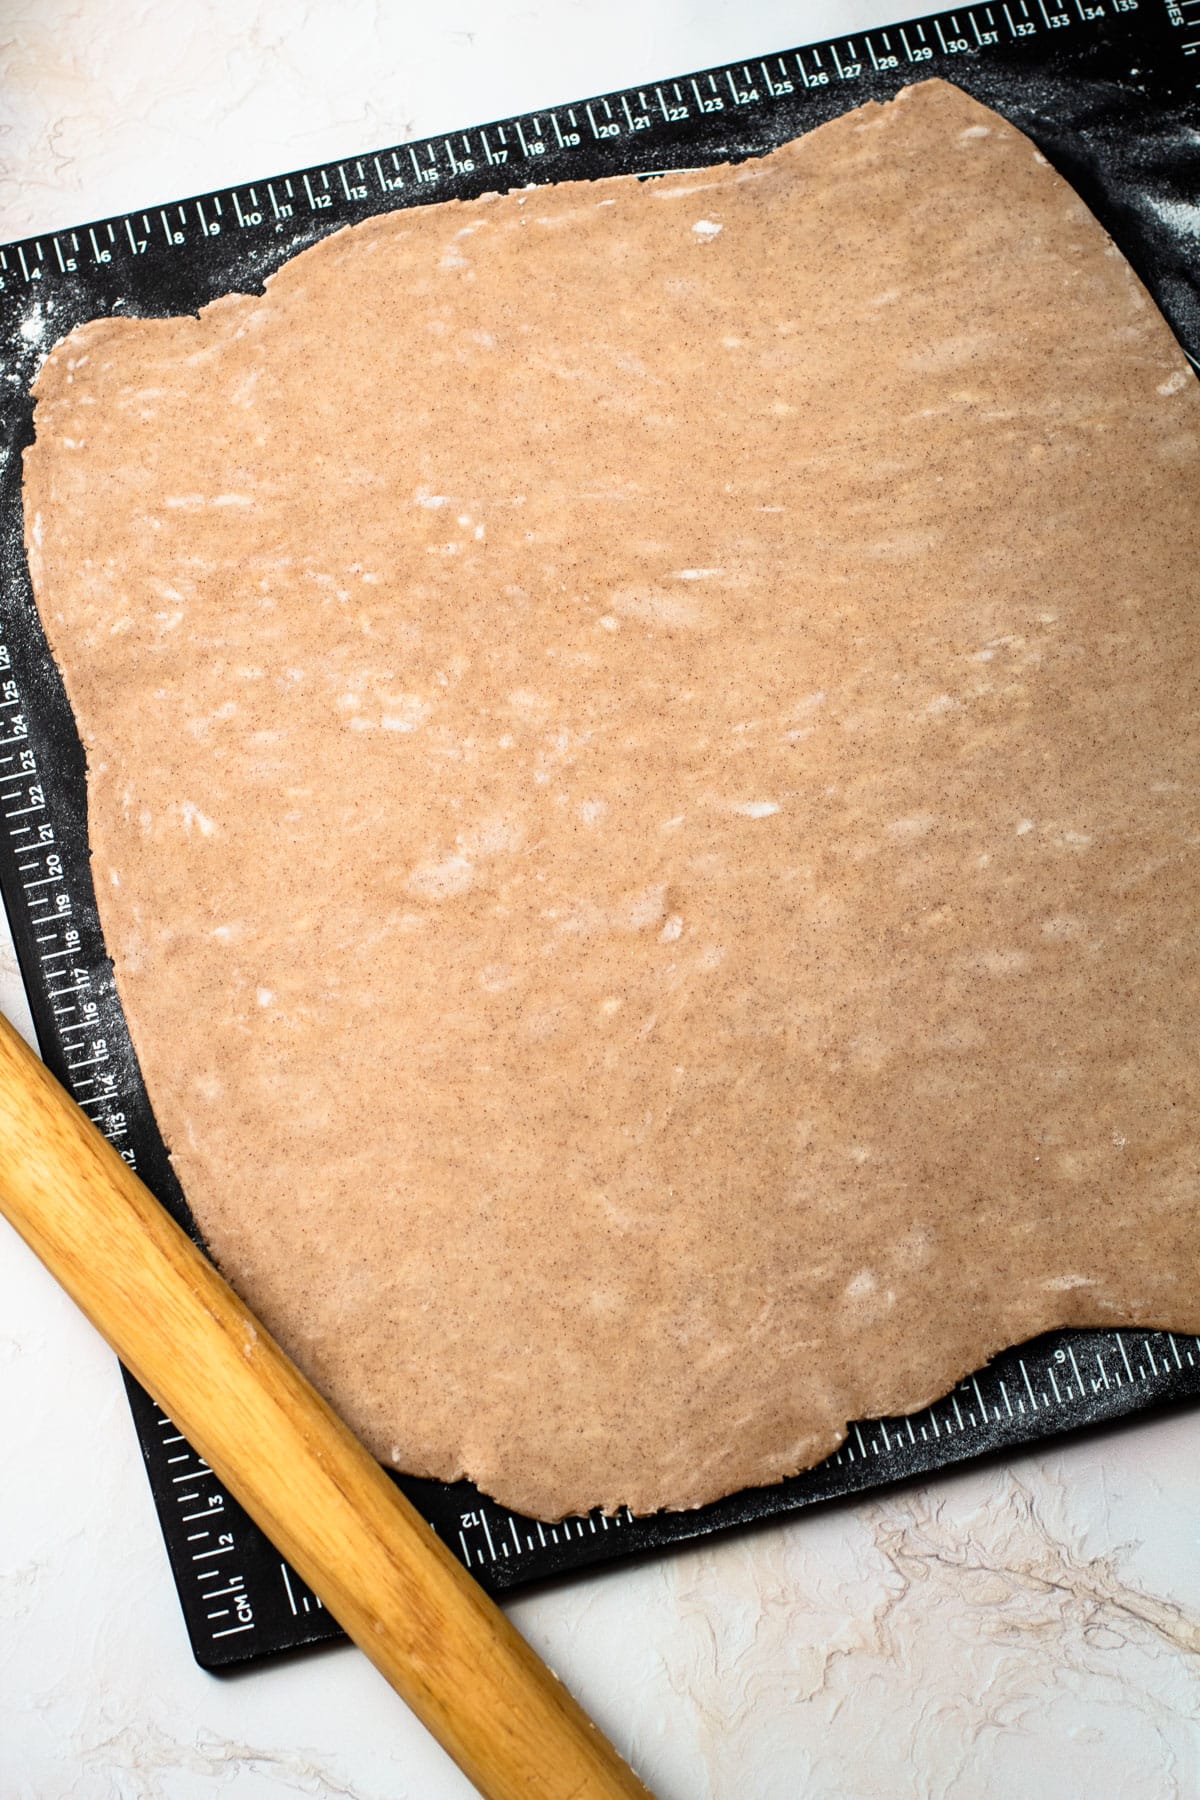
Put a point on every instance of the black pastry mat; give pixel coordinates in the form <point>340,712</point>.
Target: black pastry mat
<point>1109,93</point>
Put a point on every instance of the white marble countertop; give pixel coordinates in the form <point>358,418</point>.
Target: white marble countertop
<point>1029,1630</point>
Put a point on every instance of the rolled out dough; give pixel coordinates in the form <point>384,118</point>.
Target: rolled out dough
<point>642,765</point>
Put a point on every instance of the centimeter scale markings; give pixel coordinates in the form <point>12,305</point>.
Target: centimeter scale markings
<point>212,1548</point>
<point>360,185</point>
<point>66,979</point>
<point>488,1534</point>
<point>239,1599</point>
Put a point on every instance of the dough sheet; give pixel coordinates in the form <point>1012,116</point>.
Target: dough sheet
<point>643,780</point>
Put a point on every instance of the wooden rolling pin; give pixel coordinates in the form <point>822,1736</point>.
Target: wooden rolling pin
<point>324,1502</point>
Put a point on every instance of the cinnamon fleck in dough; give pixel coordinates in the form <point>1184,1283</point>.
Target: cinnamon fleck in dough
<point>642,766</point>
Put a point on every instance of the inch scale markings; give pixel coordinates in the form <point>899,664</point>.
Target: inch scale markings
<point>357,188</point>
<point>1062,1387</point>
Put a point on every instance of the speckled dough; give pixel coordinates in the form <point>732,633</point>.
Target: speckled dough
<point>643,778</point>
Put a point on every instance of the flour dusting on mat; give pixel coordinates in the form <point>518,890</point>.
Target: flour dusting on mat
<point>645,797</point>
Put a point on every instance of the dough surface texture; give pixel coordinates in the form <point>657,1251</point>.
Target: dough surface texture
<point>644,790</point>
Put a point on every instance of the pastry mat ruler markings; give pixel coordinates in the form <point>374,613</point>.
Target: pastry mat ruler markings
<point>1110,91</point>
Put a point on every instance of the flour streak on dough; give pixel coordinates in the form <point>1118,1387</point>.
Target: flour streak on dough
<point>643,779</point>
